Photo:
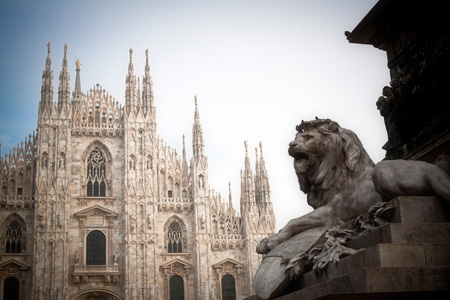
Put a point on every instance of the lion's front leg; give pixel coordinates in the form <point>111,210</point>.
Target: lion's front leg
<point>317,218</point>
<point>268,244</point>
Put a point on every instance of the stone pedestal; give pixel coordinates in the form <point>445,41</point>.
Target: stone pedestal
<point>408,258</point>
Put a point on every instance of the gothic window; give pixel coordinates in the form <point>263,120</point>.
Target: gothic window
<point>170,187</point>
<point>228,288</point>
<point>184,193</point>
<point>176,288</point>
<point>19,183</point>
<point>13,237</point>
<point>44,159</point>
<point>149,162</point>
<point>62,160</point>
<point>215,227</point>
<point>11,289</point>
<point>132,162</point>
<point>96,177</point>
<point>201,182</point>
<point>177,190</point>
<point>96,248</point>
<point>174,236</point>
<point>4,190</point>
<point>12,184</point>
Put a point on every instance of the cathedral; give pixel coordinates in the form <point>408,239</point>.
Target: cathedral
<point>94,205</point>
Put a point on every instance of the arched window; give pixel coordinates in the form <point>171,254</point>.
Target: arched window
<point>11,289</point>
<point>176,288</point>
<point>13,237</point>
<point>174,235</point>
<point>228,288</point>
<point>96,174</point>
<point>96,248</point>
<point>170,187</point>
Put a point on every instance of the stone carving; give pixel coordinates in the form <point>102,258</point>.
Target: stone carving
<point>77,258</point>
<point>333,246</point>
<point>342,183</point>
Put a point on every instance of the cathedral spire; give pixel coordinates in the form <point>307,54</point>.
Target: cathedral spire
<point>130,81</point>
<point>264,188</point>
<point>247,160</point>
<point>138,97</point>
<point>147,89</point>
<point>184,148</point>
<point>76,95</point>
<point>247,182</point>
<point>47,82</point>
<point>197,134</point>
<point>64,85</point>
<point>230,199</point>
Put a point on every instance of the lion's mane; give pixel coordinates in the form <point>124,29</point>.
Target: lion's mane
<point>335,158</point>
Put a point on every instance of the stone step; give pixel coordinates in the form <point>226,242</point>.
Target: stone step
<point>417,210</point>
<point>383,255</point>
<point>388,281</point>
<point>401,233</point>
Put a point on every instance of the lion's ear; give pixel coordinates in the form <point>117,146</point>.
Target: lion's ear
<point>333,127</point>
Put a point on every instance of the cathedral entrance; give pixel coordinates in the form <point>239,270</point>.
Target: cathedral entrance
<point>228,288</point>
<point>11,289</point>
<point>176,288</point>
<point>97,295</point>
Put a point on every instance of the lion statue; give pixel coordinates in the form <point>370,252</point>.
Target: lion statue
<point>342,182</point>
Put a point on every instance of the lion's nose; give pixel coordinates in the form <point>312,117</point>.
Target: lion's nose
<point>293,144</point>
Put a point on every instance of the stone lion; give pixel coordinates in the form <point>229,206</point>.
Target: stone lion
<point>342,183</point>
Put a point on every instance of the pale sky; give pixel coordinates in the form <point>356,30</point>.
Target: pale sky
<point>257,67</point>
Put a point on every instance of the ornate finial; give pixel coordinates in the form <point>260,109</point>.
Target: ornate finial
<point>260,148</point>
<point>146,54</point>
<point>77,63</point>
<point>65,49</point>
<point>48,48</point>
<point>131,52</point>
<point>195,97</point>
<point>246,147</point>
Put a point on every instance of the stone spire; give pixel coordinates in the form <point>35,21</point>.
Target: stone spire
<point>197,134</point>
<point>77,95</point>
<point>247,183</point>
<point>263,179</point>
<point>184,166</point>
<point>138,97</point>
<point>47,82</point>
<point>64,82</point>
<point>147,89</point>
<point>230,199</point>
<point>130,81</point>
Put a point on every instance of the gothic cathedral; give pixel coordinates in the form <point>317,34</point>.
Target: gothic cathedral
<point>94,205</point>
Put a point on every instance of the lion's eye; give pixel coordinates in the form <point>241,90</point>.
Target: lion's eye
<point>307,137</point>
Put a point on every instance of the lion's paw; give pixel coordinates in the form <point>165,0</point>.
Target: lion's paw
<point>268,244</point>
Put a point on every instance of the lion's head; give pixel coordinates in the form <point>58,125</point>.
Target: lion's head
<point>326,156</point>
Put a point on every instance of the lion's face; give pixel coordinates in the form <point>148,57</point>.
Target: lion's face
<point>326,156</point>
<point>307,150</point>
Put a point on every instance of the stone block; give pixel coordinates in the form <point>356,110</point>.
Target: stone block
<point>382,255</point>
<point>437,254</point>
<point>404,234</point>
<point>361,283</point>
<point>416,210</point>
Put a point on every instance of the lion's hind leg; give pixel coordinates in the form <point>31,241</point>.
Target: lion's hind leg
<point>439,182</point>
